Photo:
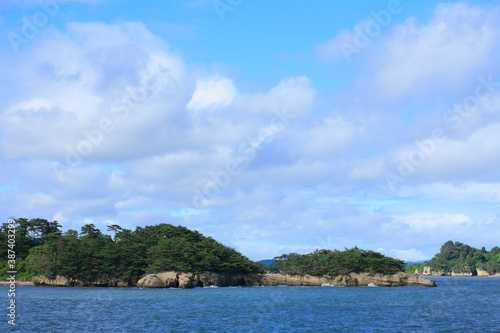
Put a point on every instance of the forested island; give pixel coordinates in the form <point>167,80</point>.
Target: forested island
<point>89,255</point>
<point>458,259</point>
<point>164,255</point>
<point>333,263</point>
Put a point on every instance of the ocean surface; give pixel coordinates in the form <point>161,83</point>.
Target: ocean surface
<point>456,305</point>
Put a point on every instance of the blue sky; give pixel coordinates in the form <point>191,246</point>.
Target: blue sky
<point>273,127</point>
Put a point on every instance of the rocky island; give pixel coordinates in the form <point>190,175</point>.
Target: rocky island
<point>167,256</point>
<point>458,259</point>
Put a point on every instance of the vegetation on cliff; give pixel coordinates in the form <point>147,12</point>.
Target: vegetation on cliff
<point>333,263</point>
<point>42,249</point>
<point>461,258</point>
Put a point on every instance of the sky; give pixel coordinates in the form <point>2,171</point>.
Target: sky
<point>271,126</point>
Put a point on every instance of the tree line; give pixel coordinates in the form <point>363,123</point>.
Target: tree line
<point>90,256</point>
<point>333,263</point>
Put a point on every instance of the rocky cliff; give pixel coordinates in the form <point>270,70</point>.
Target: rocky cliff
<point>480,272</point>
<point>188,280</point>
<point>362,279</point>
<point>428,271</point>
<point>61,281</point>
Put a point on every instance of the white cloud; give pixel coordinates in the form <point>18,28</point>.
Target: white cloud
<point>470,158</point>
<point>331,136</point>
<point>420,223</point>
<point>409,255</point>
<point>83,77</point>
<point>445,54</point>
<point>315,180</point>
<point>212,93</point>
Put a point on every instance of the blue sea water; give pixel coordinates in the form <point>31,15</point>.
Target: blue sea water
<point>456,305</point>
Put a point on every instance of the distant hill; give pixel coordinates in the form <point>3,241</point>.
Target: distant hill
<point>267,262</point>
<point>458,258</point>
<point>408,263</point>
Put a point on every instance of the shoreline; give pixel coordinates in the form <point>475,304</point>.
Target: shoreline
<point>17,283</point>
<point>173,279</point>
<point>33,284</point>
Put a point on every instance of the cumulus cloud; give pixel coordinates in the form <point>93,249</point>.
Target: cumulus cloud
<point>113,125</point>
<point>444,55</point>
<point>126,78</point>
<point>114,71</point>
<point>212,93</point>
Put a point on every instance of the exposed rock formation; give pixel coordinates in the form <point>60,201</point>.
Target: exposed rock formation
<point>462,274</point>
<point>61,281</point>
<point>186,280</point>
<point>17,283</point>
<point>190,280</point>
<point>428,271</point>
<point>481,272</point>
<point>363,279</point>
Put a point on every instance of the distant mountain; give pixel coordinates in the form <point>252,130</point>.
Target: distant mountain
<point>408,263</point>
<point>267,262</point>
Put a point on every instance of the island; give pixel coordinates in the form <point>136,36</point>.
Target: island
<point>458,259</point>
<point>167,256</point>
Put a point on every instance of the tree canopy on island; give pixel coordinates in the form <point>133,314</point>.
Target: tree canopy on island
<point>90,255</point>
<point>333,263</point>
<point>42,249</point>
<point>461,258</point>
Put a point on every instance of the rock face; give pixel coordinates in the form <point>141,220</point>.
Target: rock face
<point>462,274</point>
<point>427,271</point>
<point>204,279</point>
<point>480,272</point>
<point>363,279</point>
<point>190,280</point>
<point>61,281</point>
<point>187,280</point>
<point>17,283</point>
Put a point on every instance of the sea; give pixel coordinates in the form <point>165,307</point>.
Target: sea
<point>458,304</point>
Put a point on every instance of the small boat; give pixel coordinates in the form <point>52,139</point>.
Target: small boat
<point>282,285</point>
<point>327,285</point>
<point>371,284</point>
<point>211,286</point>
